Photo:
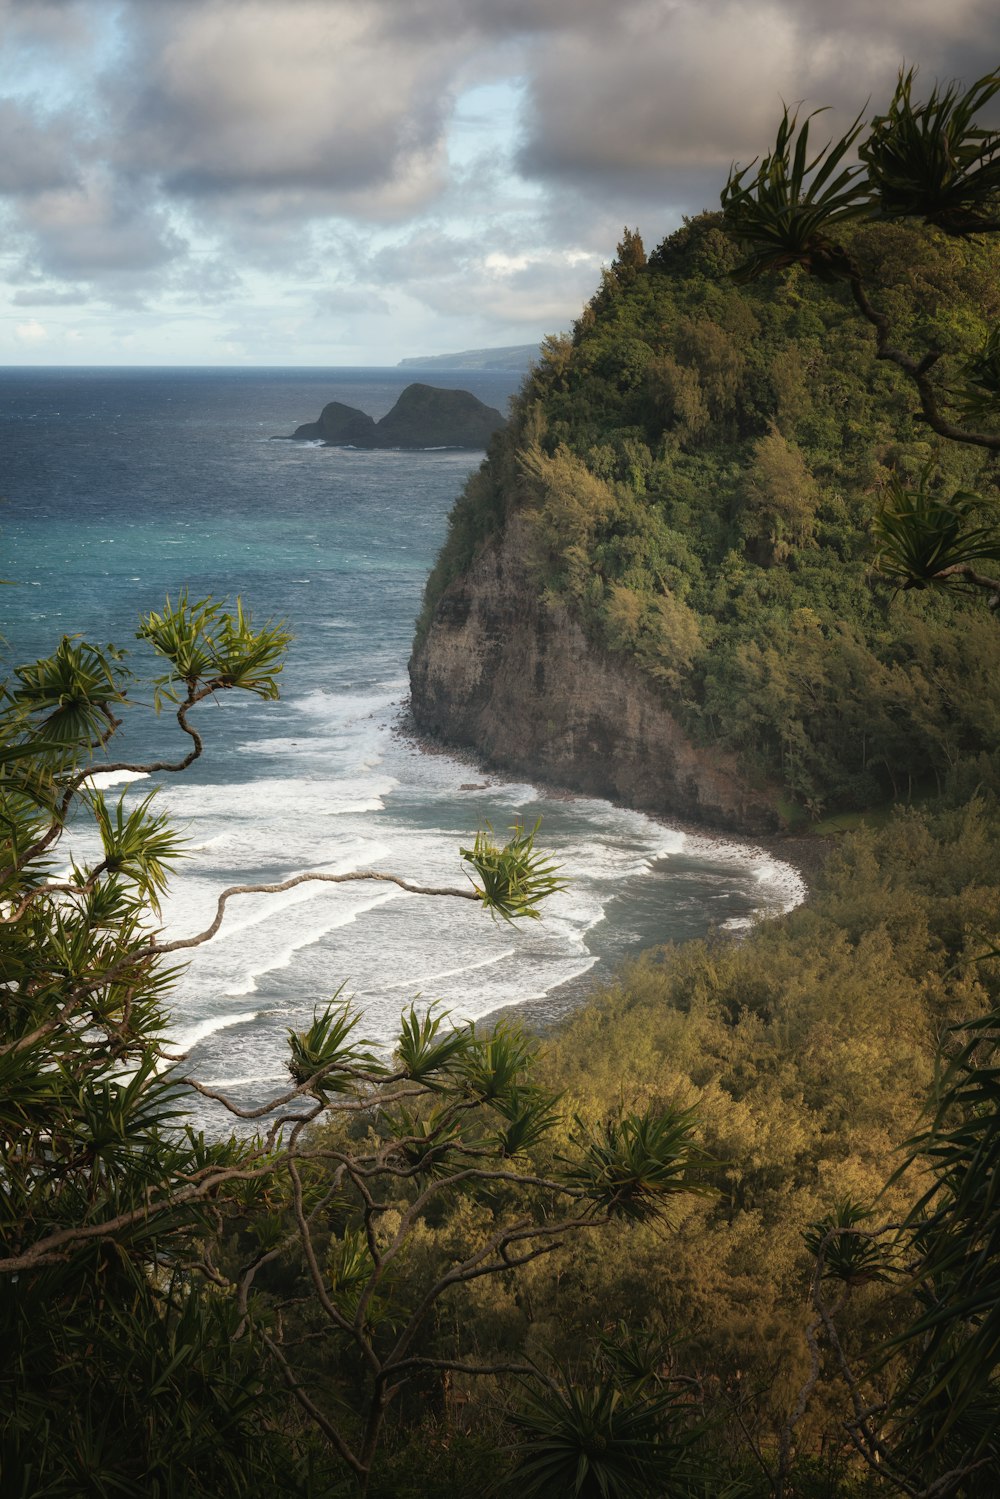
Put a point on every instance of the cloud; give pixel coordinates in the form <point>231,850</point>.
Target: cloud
<point>49,297</point>
<point>462,159</point>
<point>100,227</point>
<point>240,97</point>
<point>38,150</point>
<point>682,88</point>
<point>32,332</point>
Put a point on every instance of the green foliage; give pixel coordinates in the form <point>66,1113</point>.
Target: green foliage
<point>697,479</point>
<point>210,648</point>
<point>261,1296</point>
<point>923,538</point>
<point>630,1167</point>
<point>139,847</point>
<point>785,213</point>
<point>932,161</point>
<point>594,1442</point>
<point>106,1193</point>
<point>323,1060</point>
<point>979,395</point>
<point>956,1224</point>
<point>429,1048</point>
<point>848,1251</point>
<point>511,879</point>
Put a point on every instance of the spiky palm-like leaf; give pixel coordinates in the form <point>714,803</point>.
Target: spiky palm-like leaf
<point>496,1064</point>
<point>529,1117</point>
<point>633,1166</point>
<point>850,1253</point>
<point>978,397</point>
<point>921,535</point>
<point>427,1144</point>
<point>595,1442</point>
<point>324,1058</point>
<point>428,1047</point>
<point>787,211</point>
<point>956,1225</point>
<point>139,846</point>
<point>208,645</point>
<point>511,879</point>
<point>931,161</point>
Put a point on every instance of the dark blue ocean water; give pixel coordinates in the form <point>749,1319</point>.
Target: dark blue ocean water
<point>123,485</point>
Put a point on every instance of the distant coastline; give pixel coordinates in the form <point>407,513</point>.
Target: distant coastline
<point>511,357</point>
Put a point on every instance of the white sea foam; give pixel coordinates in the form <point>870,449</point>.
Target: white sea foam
<point>101,778</point>
<point>346,777</point>
<point>190,1035</point>
<point>448,973</point>
<point>346,707</point>
<point>781,884</point>
<point>279,797</point>
<point>277,942</point>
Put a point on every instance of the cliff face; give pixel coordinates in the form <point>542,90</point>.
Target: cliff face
<point>513,678</point>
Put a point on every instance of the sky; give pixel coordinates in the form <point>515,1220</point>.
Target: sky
<point>351,182</point>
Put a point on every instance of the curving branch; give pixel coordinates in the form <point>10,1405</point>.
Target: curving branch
<point>301,879</point>
<point>916,370</point>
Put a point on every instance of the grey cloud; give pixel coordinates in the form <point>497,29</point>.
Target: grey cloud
<point>242,96</point>
<point>38,150</point>
<point>351,301</point>
<point>202,279</point>
<point>49,297</point>
<point>97,229</point>
<point>685,87</point>
<point>426,256</point>
<point>290,137</point>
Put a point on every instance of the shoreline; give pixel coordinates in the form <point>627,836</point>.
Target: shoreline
<point>804,854</point>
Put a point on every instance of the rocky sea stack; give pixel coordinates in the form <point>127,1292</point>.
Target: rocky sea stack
<point>424,417</point>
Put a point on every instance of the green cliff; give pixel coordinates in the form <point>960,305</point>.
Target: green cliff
<point>679,518</point>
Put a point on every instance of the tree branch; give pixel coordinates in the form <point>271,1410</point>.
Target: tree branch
<point>916,370</point>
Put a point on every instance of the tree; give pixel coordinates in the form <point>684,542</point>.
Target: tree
<point>928,161</point>
<point>142,1339</point>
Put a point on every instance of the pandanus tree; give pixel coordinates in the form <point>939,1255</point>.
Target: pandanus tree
<point>145,1337</point>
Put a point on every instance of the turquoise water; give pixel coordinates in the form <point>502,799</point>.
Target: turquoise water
<point>124,485</point>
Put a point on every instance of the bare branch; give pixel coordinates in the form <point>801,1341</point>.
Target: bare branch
<point>312,1409</point>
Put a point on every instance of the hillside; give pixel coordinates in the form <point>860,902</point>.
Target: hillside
<point>688,483</point>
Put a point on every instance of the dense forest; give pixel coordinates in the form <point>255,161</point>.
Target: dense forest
<point>701,464</point>
<point>730,1233</point>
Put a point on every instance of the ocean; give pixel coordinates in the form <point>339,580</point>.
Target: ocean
<point>121,486</point>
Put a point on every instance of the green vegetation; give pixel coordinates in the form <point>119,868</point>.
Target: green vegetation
<point>157,1289</point>
<point>733,1233</point>
<point>711,465</point>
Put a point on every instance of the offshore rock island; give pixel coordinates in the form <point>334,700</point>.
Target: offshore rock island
<point>425,416</point>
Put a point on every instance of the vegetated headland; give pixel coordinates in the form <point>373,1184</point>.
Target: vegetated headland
<point>659,589</point>
<point>674,1247</point>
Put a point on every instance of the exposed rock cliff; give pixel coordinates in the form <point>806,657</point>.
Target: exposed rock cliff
<point>504,673</point>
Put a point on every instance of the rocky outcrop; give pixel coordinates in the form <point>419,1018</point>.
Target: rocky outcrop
<point>340,426</point>
<point>425,416</point>
<point>506,674</point>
